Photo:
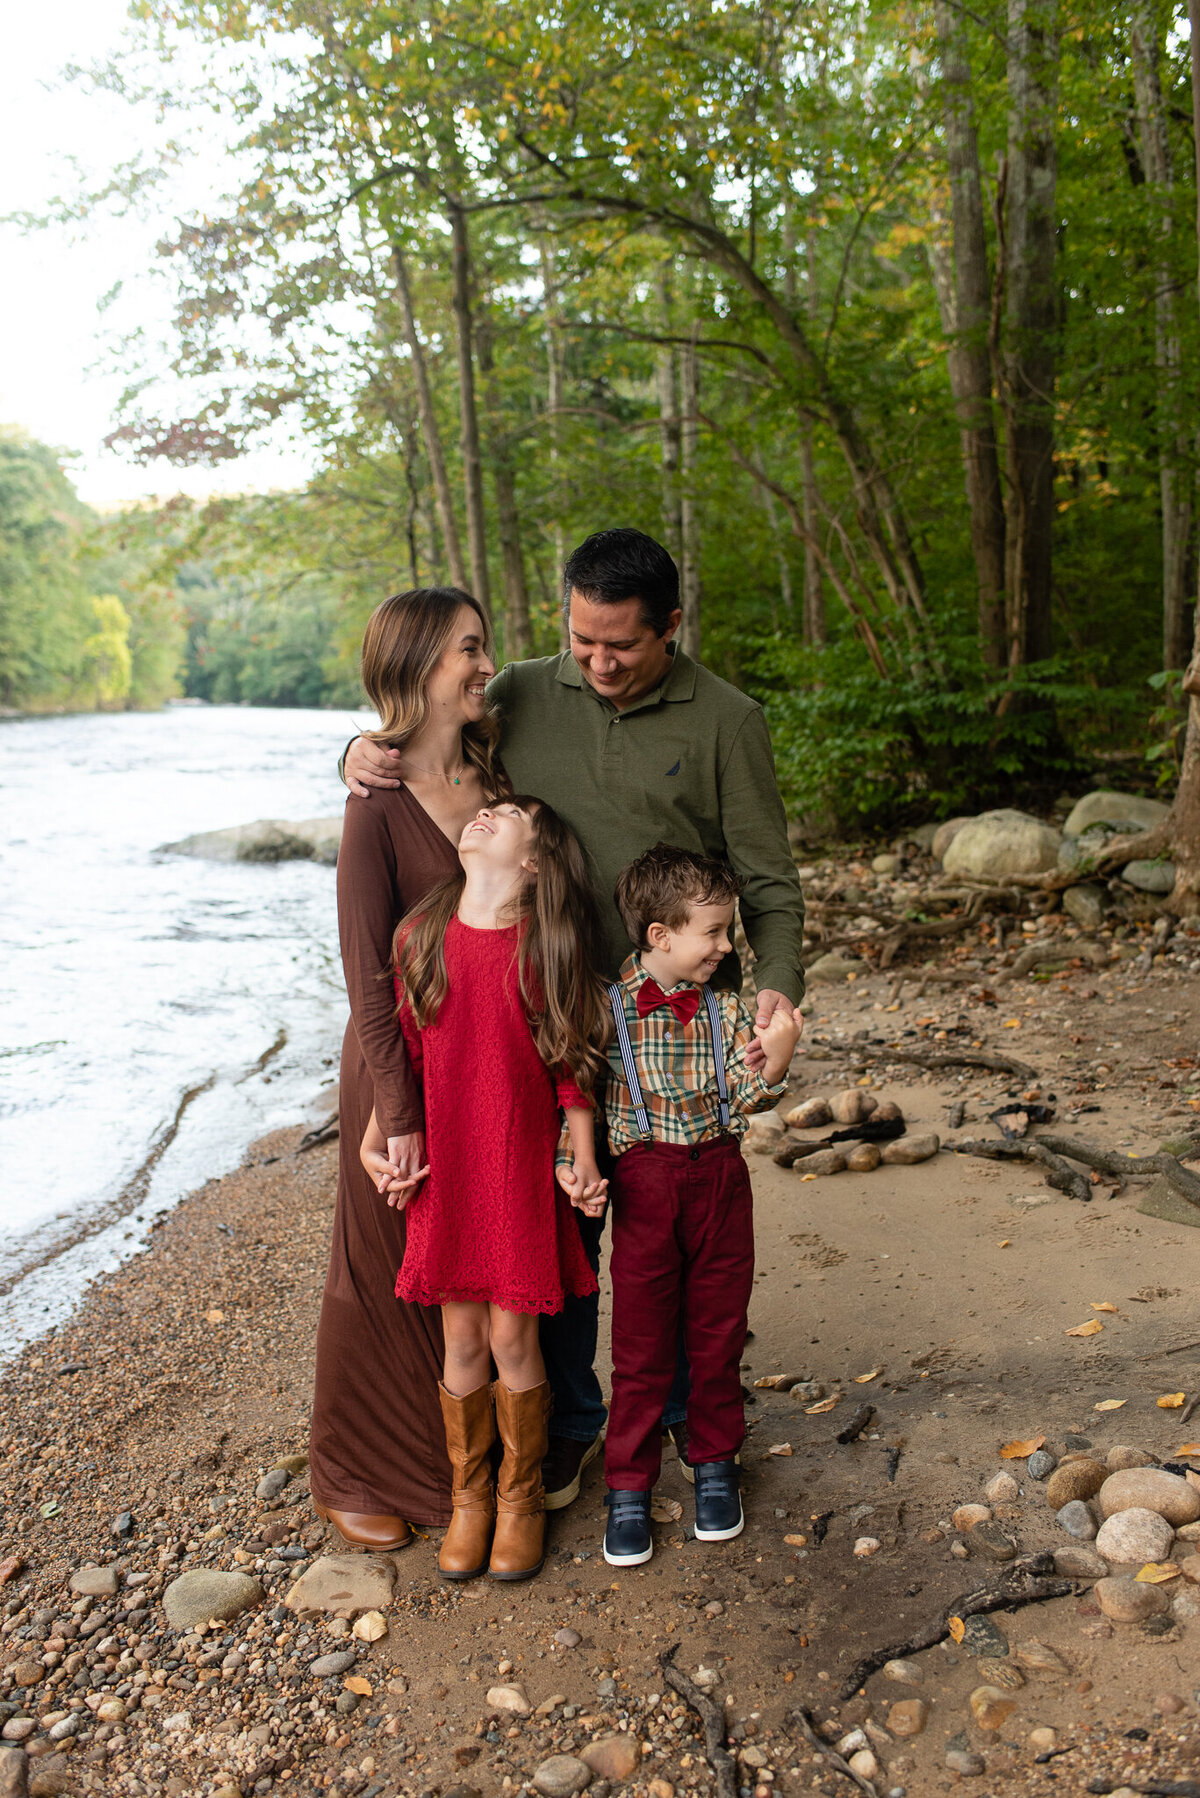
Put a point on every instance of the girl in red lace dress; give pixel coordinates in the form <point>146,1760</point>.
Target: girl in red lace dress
<point>505,1023</point>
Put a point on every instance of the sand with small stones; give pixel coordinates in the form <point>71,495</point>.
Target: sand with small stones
<point>957,1279</point>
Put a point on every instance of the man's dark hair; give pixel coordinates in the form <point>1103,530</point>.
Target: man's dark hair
<point>665,884</point>
<point>610,567</point>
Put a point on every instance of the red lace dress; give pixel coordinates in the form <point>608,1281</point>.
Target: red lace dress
<point>490,1223</point>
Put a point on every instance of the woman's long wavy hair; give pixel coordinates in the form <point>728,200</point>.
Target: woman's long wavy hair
<point>405,639</point>
<point>564,997</point>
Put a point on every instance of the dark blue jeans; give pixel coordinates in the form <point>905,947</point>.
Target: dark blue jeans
<point>569,1351</point>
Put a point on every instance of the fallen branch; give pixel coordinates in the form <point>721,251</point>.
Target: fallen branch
<point>711,1716</point>
<point>1037,953</point>
<point>326,1132</point>
<point>1120,1167</point>
<point>1020,1584</point>
<point>1058,1173</point>
<point>829,1754</point>
<point>856,1424</point>
<point>995,1064</point>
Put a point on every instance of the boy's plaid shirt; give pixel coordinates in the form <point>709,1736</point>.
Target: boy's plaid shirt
<point>678,1073</point>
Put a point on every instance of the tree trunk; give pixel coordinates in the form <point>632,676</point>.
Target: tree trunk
<point>518,636</point>
<point>815,625</point>
<point>1031,324</point>
<point>468,412</point>
<point>1173,459</point>
<point>778,542</point>
<point>666,384</point>
<point>554,400</point>
<point>966,304</point>
<point>689,511</point>
<point>429,426</point>
<point>1185,816</point>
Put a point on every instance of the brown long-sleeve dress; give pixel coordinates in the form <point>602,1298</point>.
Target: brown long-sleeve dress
<point>377,1442</point>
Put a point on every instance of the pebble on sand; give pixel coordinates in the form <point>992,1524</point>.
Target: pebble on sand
<point>561,1776</point>
<point>272,1483</point>
<point>1135,1536</point>
<point>328,1666</point>
<point>567,1638</point>
<point>968,1515</point>
<point>1124,1455</point>
<point>1079,1561</point>
<point>963,1761</point>
<point>205,1592</point>
<point>1150,1489</point>
<point>1003,1490</point>
<point>1127,1600</point>
<point>904,1672</point>
<point>509,1698</point>
<point>95,1582</point>
<point>614,1757</point>
<point>908,1717</point>
<point>991,1540</point>
<point>1077,1520</point>
<point>990,1706</point>
<point>344,1585</point>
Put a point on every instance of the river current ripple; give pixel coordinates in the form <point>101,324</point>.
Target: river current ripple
<point>157,1013</point>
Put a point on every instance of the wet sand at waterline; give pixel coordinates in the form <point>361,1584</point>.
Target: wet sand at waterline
<point>186,1375</point>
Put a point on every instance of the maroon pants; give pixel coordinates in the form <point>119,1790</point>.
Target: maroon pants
<point>682,1246</point>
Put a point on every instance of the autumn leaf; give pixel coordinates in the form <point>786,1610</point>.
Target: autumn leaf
<point>1092,1327</point>
<point>1012,1023</point>
<point>356,1683</point>
<point>1104,1306</point>
<point>796,1540</point>
<point>1156,1573</point>
<point>1110,1404</point>
<point>1019,1451</point>
<point>863,1379</point>
<point>777,1448</point>
<point>1170,1401</point>
<point>666,1510</point>
<point>958,1629</point>
<point>1188,1448</point>
<point>823,1405</point>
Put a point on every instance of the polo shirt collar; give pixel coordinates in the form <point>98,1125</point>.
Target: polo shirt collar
<point>679,682</point>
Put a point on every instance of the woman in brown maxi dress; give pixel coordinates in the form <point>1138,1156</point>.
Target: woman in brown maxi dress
<point>377,1450</point>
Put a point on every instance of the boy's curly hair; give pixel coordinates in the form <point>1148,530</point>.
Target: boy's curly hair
<point>663,885</point>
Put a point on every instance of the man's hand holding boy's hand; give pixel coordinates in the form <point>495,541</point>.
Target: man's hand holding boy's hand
<point>370,765</point>
<point>777,1039</point>
<point>770,1004</point>
<point>583,1186</point>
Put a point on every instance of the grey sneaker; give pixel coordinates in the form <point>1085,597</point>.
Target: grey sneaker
<point>563,1466</point>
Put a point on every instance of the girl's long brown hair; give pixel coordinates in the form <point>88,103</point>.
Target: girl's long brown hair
<point>563,996</point>
<point>405,639</point>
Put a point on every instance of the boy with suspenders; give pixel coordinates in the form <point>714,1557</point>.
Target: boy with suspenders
<point>678,1098</point>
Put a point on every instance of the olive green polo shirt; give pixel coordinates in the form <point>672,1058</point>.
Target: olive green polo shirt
<point>689,764</point>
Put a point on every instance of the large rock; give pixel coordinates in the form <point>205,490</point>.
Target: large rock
<point>1075,1479</point>
<point>1114,808</point>
<point>1085,904</point>
<point>1150,1489</point>
<point>1079,1561</point>
<point>344,1585</point>
<point>996,844</point>
<point>1161,1200</point>
<point>205,1592</point>
<point>944,835</point>
<point>1133,1537</point>
<point>266,840</point>
<point>1149,877</point>
<point>14,1773</point>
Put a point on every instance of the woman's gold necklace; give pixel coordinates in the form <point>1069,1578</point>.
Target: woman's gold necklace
<point>431,773</point>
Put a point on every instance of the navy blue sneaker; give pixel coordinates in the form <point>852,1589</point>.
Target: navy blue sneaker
<point>718,1501</point>
<point>627,1539</point>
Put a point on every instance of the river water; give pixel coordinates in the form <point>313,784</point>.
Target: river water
<point>157,1012</point>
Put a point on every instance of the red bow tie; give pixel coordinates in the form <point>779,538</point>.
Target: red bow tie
<point>684,1004</point>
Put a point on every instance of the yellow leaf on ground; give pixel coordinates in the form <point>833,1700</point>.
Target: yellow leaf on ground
<point>1171,1401</point>
<point>666,1510</point>
<point>1104,1306</point>
<point>825,1404</point>
<point>796,1540</point>
<point>1188,1448</point>
<point>1092,1327</point>
<point>356,1683</point>
<point>776,1448</point>
<point>805,1177</point>
<point>862,1379</point>
<point>1012,1023</point>
<point>1156,1573</point>
<point>1019,1451</point>
<point>1006,1244</point>
<point>958,1629</point>
<point>1110,1404</point>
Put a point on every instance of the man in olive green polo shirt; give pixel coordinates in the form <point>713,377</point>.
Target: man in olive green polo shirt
<point>634,743</point>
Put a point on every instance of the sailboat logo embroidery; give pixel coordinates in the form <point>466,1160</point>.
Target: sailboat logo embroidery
<point>675,769</point>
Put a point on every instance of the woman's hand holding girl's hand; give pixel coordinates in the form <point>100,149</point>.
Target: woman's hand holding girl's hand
<point>583,1186</point>
<point>385,1177</point>
<point>396,1165</point>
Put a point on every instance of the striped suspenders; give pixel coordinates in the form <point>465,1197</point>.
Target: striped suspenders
<point>629,1064</point>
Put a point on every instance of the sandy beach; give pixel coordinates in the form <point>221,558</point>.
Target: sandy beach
<point>136,1437</point>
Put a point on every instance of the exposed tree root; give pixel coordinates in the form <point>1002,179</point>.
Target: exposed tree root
<point>804,1723</point>
<point>711,1716</point>
<point>1022,1583</point>
<point>1121,1167</point>
<point>995,1064</point>
<point>1058,1174</point>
